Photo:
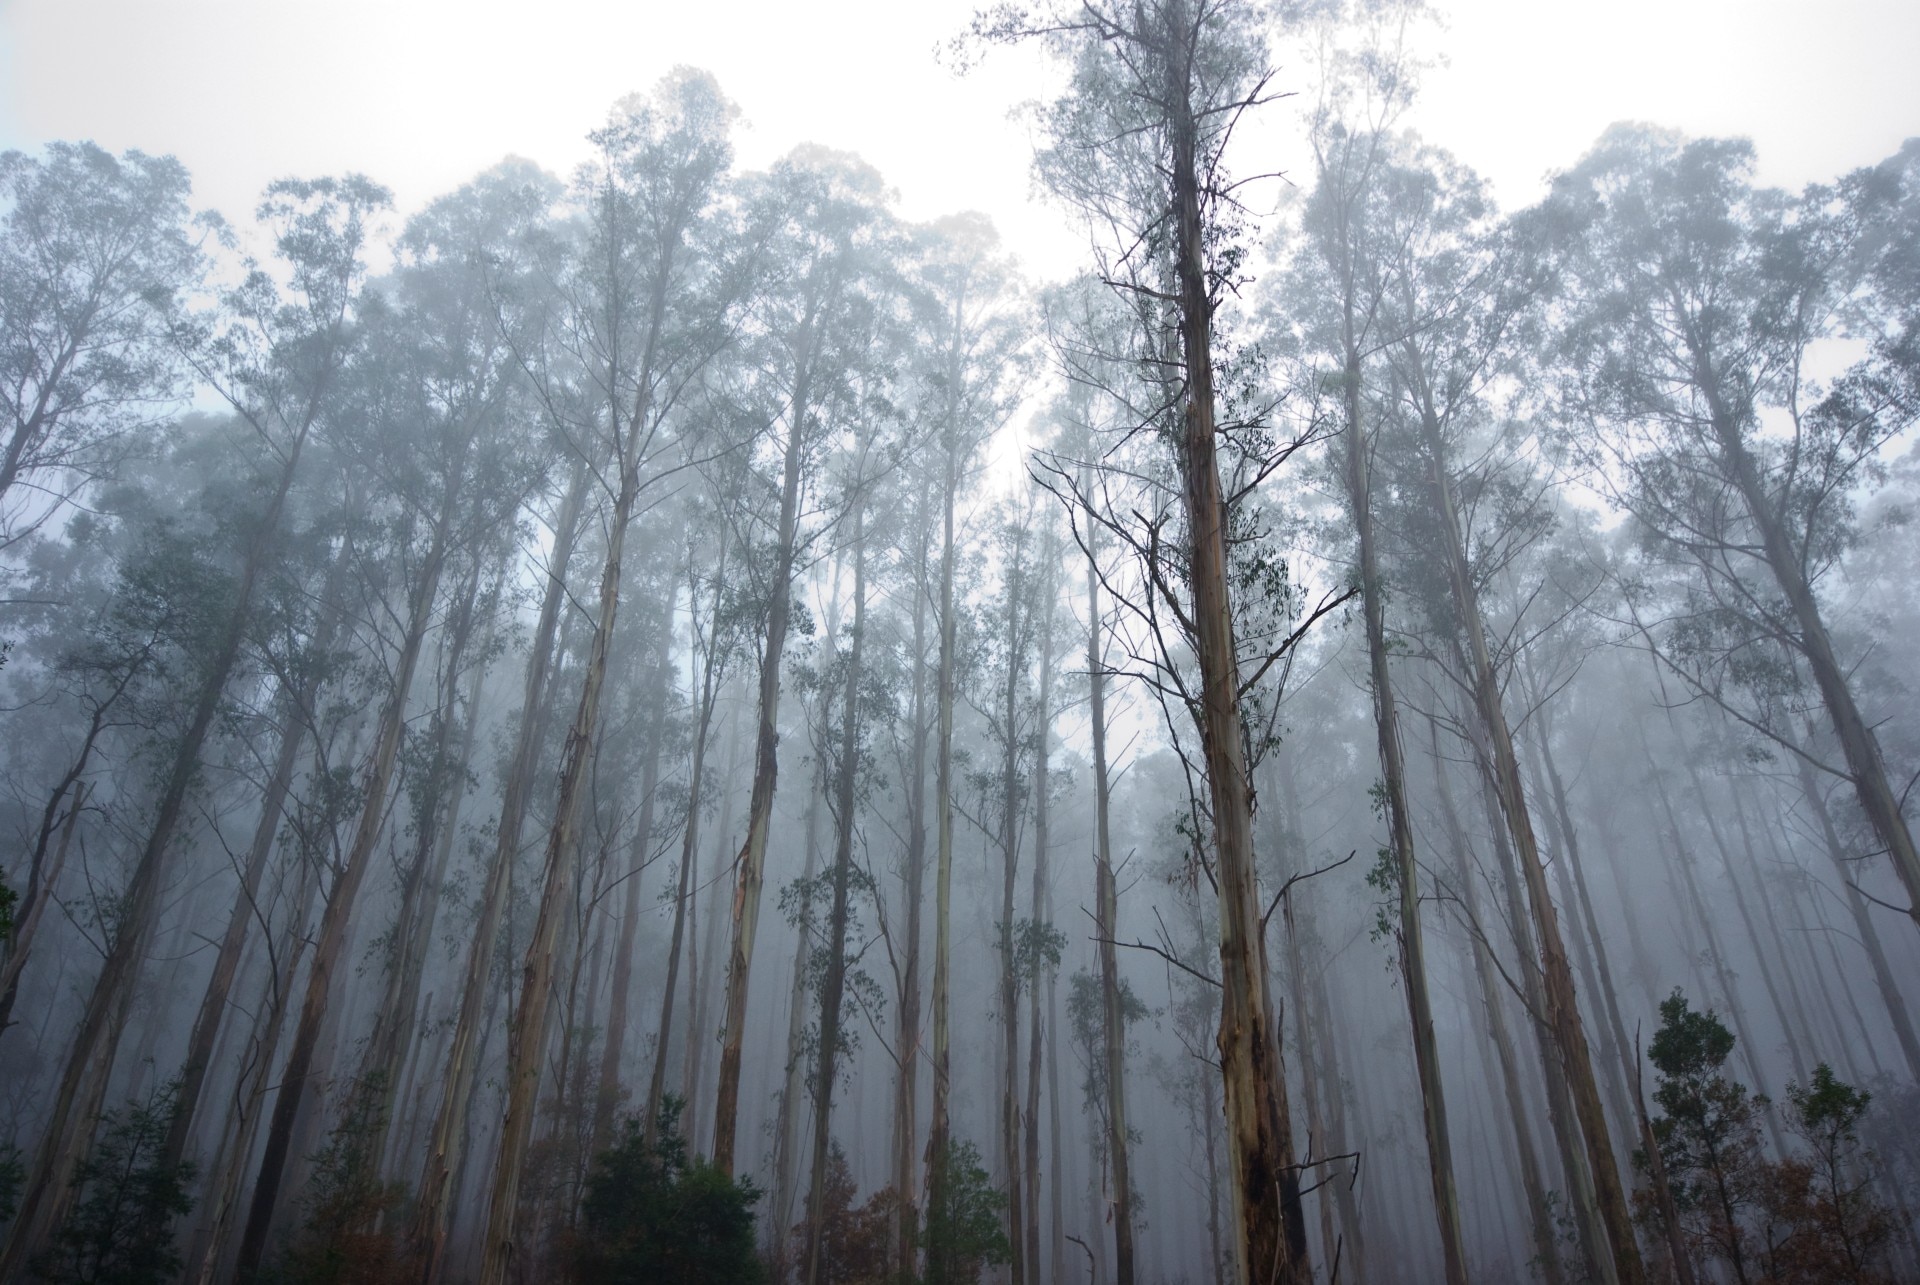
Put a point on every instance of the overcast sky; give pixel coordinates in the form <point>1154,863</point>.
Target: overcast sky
<point>422,94</point>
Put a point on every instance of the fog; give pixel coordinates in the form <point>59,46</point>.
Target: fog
<point>687,705</point>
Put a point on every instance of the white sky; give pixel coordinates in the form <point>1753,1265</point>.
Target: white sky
<point>422,94</point>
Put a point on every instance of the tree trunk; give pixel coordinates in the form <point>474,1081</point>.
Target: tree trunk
<point>1043,734</point>
<point>787,1124</point>
<point>833,982</point>
<point>786,1138</point>
<point>222,1196</point>
<point>395,1027</point>
<point>213,1002</point>
<point>47,1192</point>
<point>336,920</point>
<point>1584,1209</point>
<point>43,875</point>
<point>445,1151</point>
<point>750,865</point>
<point>1386,719</point>
<point>1562,1006</point>
<point>527,1029</point>
<point>1616,1029</point>
<point>1271,1234</point>
<point>1865,767</point>
<point>1493,1014</point>
<point>1897,1013</point>
<point>914,876</point>
<point>939,1136</point>
<point>1010,1158</point>
<point>708,685</point>
<point>620,1000</point>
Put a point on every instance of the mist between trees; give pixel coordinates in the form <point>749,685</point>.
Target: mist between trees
<point>564,756</point>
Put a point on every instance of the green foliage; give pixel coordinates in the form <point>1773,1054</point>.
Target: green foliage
<point>653,1215</point>
<point>1709,1134</point>
<point>1806,1219</point>
<point>1086,1020</point>
<point>1384,878</point>
<point>1037,946</point>
<point>121,1229</point>
<point>963,1235</point>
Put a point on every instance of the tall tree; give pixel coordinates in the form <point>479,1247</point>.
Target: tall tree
<point>1139,143</point>
<point>973,336</point>
<point>827,208</point>
<point>275,358</point>
<point>1693,302</point>
<point>432,436</point>
<point>651,312</point>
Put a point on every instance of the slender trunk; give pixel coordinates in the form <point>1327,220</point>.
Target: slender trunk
<point>833,981</point>
<point>222,1197</point>
<point>47,1192</point>
<point>1539,1213</point>
<point>1056,1176</point>
<point>395,1028</point>
<point>1865,766</point>
<point>45,880</point>
<point>702,945</point>
<point>1562,814</point>
<point>446,1149</point>
<point>787,1125</point>
<point>708,687</point>
<point>914,877</point>
<point>1042,735</point>
<point>1271,1234</point>
<point>58,817</point>
<point>445,822</point>
<point>1897,1013</point>
<point>939,1138</point>
<point>527,1029</point>
<point>1386,719</point>
<point>1018,635</point>
<point>1583,1206</point>
<point>336,920</point>
<point>1113,1023</point>
<point>750,865</point>
<point>226,964</point>
<point>613,1052</point>
<point>1562,1005</point>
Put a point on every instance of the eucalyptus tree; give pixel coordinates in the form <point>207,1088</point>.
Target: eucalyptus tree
<point>973,338</point>
<point>850,766</point>
<point>1461,300</point>
<point>433,435</point>
<point>1138,142</point>
<point>274,353</point>
<point>95,251</point>
<point>720,615</point>
<point>649,304</point>
<point>1339,311</point>
<point>1693,304</point>
<point>1006,638</point>
<point>463,441</point>
<point>827,247</point>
